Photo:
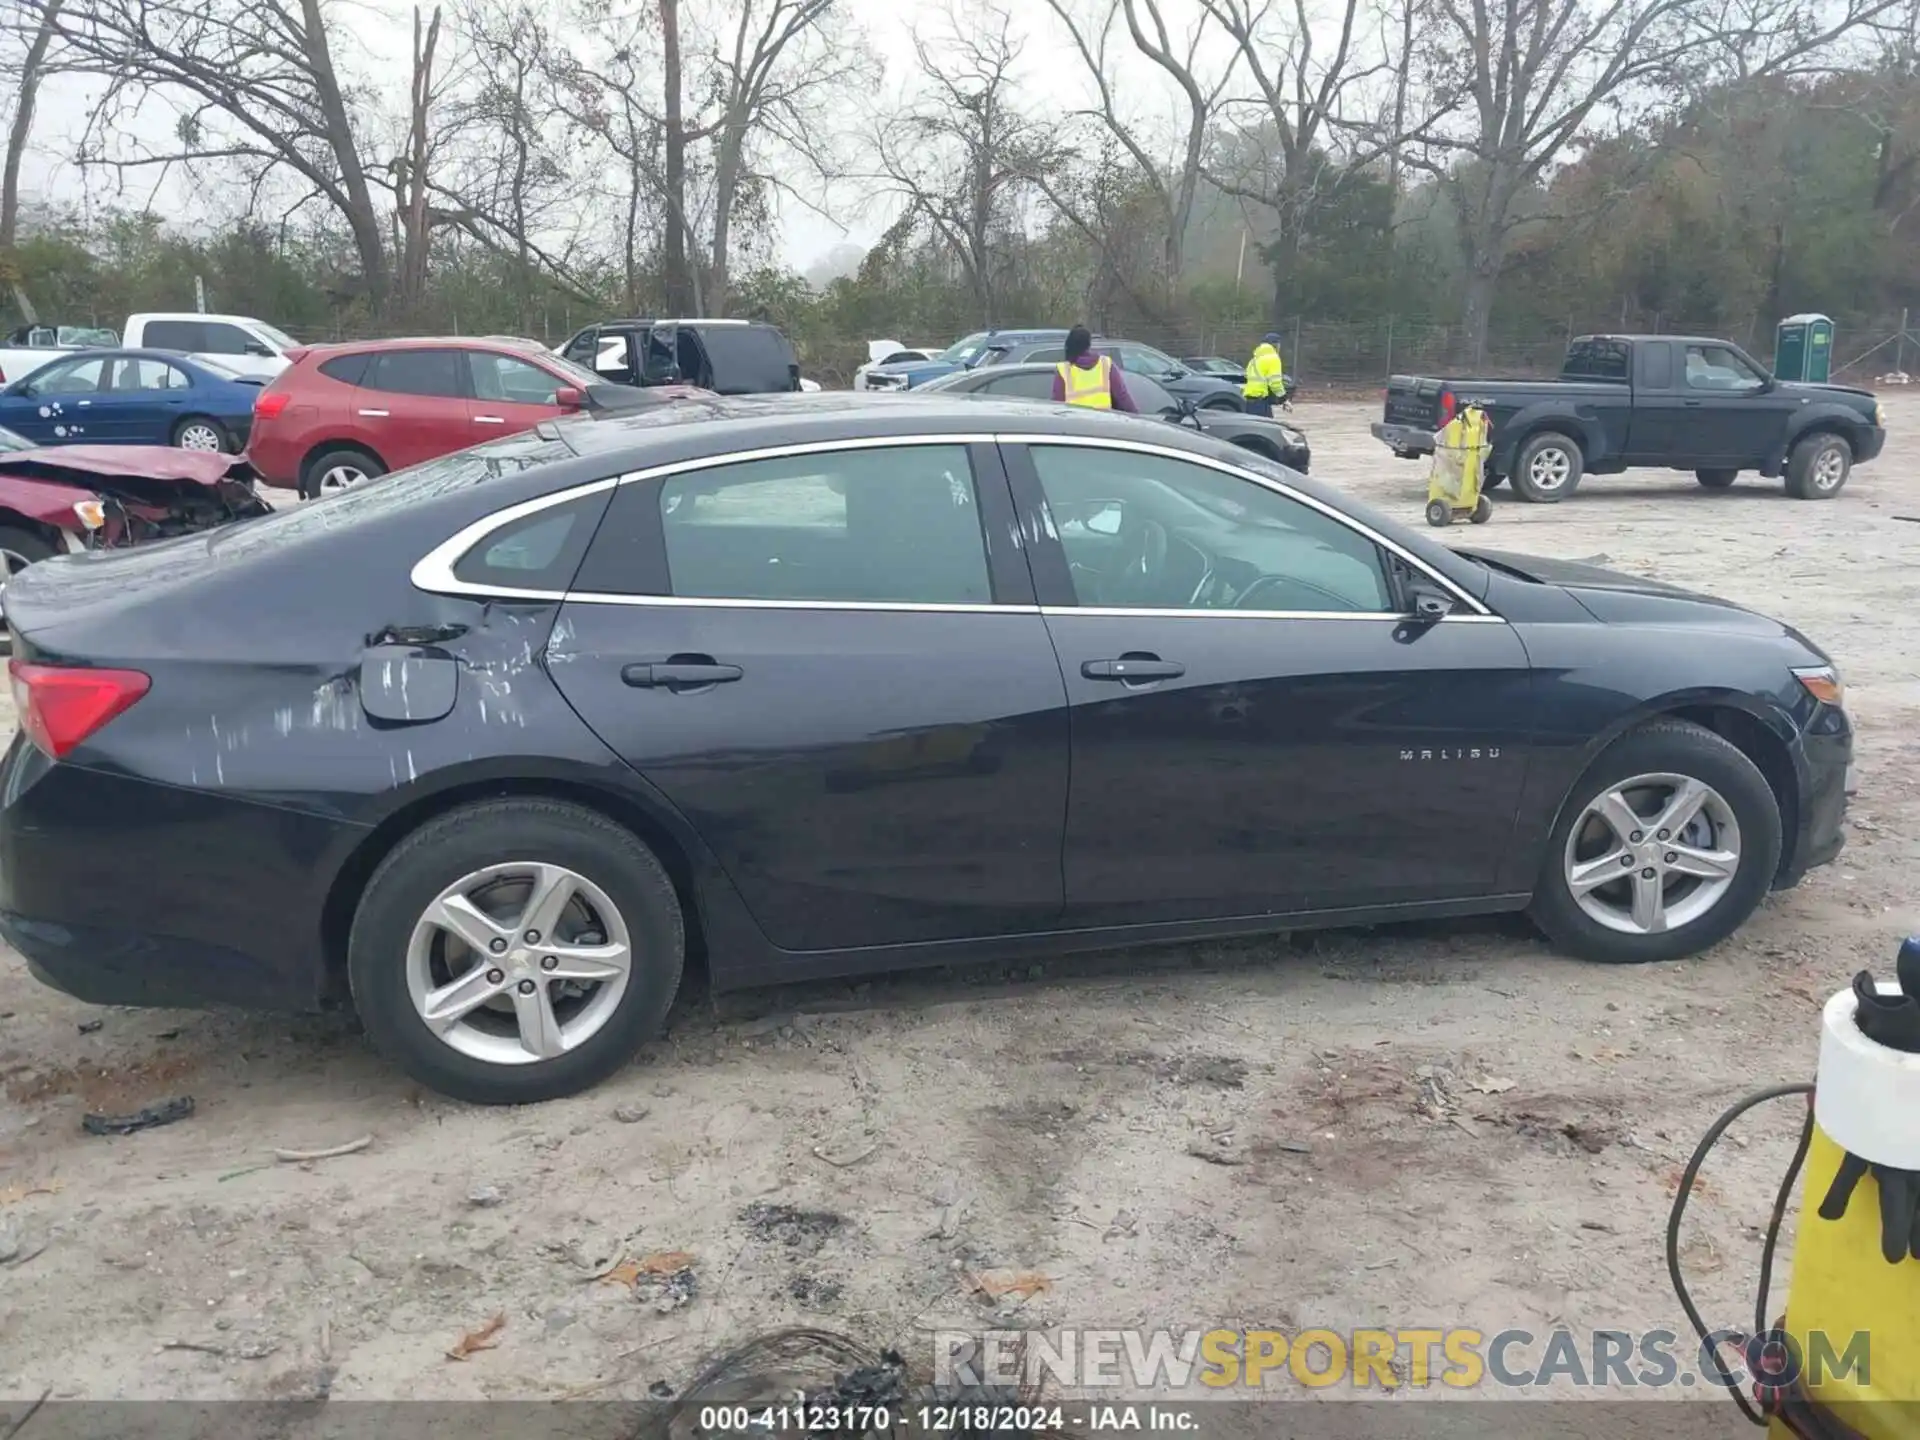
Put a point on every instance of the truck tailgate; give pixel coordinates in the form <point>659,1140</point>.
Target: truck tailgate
<point>1414,400</point>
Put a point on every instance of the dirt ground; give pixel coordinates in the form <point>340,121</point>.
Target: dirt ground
<point>1444,1125</point>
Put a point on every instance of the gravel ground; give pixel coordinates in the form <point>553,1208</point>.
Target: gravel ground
<point>1426,1125</point>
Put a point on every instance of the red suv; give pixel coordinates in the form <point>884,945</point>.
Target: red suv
<point>343,413</point>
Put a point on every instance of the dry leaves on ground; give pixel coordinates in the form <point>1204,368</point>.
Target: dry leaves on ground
<point>660,1262</point>
<point>996,1283</point>
<point>481,1339</point>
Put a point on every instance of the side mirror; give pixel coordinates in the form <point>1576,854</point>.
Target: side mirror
<point>1429,604</point>
<point>257,348</point>
<point>570,397</point>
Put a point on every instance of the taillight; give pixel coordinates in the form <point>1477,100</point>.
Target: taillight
<point>1447,406</point>
<point>60,706</point>
<point>269,404</point>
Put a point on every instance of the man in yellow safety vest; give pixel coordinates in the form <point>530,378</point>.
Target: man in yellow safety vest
<point>1266,377</point>
<point>1090,380</point>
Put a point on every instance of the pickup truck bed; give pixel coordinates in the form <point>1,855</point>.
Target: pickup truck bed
<point>1647,402</point>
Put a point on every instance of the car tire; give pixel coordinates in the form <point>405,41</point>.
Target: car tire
<point>1736,816</point>
<point>397,957</point>
<point>1819,466</point>
<point>202,432</point>
<point>328,471</point>
<point>1548,468</point>
<point>18,549</point>
<point>1716,479</point>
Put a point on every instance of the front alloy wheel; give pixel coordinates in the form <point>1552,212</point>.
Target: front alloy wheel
<point>1652,853</point>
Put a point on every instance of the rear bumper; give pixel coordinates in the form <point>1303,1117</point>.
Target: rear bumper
<point>274,460</point>
<point>1406,441</point>
<point>120,891</point>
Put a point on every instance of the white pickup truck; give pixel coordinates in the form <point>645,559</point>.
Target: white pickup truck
<point>25,350</point>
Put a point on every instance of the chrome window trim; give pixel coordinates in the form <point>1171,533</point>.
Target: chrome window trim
<point>433,572</point>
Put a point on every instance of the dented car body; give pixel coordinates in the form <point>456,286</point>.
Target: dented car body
<point>836,675</point>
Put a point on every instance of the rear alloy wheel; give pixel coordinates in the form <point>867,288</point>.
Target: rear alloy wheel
<point>1548,468</point>
<point>1716,479</point>
<point>516,950</point>
<point>197,432</point>
<point>1664,848</point>
<point>338,470</point>
<point>1819,467</point>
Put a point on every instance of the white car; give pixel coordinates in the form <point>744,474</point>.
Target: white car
<point>239,342</point>
<point>889,352</point>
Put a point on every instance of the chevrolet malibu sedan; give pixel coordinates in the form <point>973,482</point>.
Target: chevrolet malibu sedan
<point>819,687</point>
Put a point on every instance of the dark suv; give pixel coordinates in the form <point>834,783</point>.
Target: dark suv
<point>732,357</point>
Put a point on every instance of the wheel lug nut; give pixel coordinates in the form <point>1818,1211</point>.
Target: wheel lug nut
<point>1671,857</point>
<point>1637,836</point>
<point>498,947</point>
<point>494,977</point>
<point>526,987</point>
<point>1647,874</point>
<point>533,937</point>
<point>1666,834</point>
<point>549,962</point>
<point>1626,860</point>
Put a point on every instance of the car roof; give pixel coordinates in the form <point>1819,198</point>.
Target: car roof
<point>1678,339</point>
<point>127,352</point>
<point>671,320</point>
<point>433,342</point>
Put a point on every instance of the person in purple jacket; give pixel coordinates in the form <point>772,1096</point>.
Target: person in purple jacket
<point>1090,380</point>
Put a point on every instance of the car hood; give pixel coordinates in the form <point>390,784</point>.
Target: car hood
<point>1234,422</point>
<point>916,369</point>
<point>1617,599</point>
<point>1862,400</point>
<point>76,463</point>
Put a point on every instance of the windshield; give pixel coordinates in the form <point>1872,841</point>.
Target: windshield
<point>573,374</point>
<point>279,337</point>
<point>86,336</point>
<point>11,441</point>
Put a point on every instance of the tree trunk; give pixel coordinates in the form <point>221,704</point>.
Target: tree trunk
<point>414,218</point>
<point>30,71</point>
<point>1476,309</point>
<point>726,186</point>
<point>362,218</point>
<point>676,279</point>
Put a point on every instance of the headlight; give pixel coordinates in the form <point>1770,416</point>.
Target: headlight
<point>1879,415</point>
<point>91,513</point>
<point>1823,683</point>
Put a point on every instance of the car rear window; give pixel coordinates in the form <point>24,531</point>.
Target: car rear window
<point>540,551</point>
<point>748,359</point>
<point>347,369</point>
<point>1596,360</point>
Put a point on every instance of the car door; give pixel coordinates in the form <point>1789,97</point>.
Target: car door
<point>1258,724</point>
<point>830,662</point>
<point>1663,427</point>
<point>148,397</point>
<point>236,348</point>
<point>55,404</point>
<point>1739,416</point>
<point>509,394</point>
<point>411,405</point>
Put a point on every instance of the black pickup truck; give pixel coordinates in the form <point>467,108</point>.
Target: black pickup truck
<point>1623,402</point>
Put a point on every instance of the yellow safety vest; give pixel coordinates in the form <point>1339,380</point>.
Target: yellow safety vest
<point>1091,388</point>
<point>1265,374</point>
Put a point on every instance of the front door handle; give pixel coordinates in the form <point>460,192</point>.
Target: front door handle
<point>1133,669</point>
<point>1693,404</point>
<point>678,673</point>
<point>489,420</point>
<point>374,414</point>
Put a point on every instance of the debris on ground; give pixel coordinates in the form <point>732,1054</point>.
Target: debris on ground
<point>998,1284</point>
<point>1219,1148</point>
<point>88,1027</point>
<point>660,1390</point>
<point>258,1349</point>
<point>480,1339</point>
<point>332,1152</point>
<point>846,1154</point>
<point>814,1293</point>
<point>631,1114</point>
<point>668,1292</point>
<point>485,1197</point>
<point>166,1112</point>
<point>21,1189</point>
<point>1491,1085</point>
<point>802,1231</point>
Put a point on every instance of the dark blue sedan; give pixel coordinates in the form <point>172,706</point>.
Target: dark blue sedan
<point>132,397</point>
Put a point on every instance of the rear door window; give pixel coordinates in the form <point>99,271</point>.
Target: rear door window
<point>347,369</point>
<point>889,526</point>
<point>1656,365</point>
<point>417,372</point>
<point>537,552</point>
<point>748,359</point>
<point>174,335</point>
<point>1027,385</point>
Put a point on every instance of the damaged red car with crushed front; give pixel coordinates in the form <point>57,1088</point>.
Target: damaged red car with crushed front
<point>61,498</point>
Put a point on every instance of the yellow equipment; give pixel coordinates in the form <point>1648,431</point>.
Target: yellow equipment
<point>1459,461</point>
<point>1844,1363</point>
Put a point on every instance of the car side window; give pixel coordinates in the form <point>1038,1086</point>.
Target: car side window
<point>347,369</point>
<point>74,377</point>
<point>583,347</point>
<point>222,339</point>
<point>416,372</point>
<point>1716,367</point>
<point>899,525</point>
<point>1148,532</point>
<point>540,551</point>
<point>183,335</point>
<point>509,381</point>
<point>1030,385</point>
<point>150,375</point>
<point>1656,366</point>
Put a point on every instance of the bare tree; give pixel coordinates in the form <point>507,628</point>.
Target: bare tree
<point>962,155</point>
<point>1173,184</point>
<point>1527,77</point>
<point>253,81</point>
<point>411,183</point>
<point>32,69</point>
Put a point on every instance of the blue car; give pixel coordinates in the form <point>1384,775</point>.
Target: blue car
<point>132,397</point>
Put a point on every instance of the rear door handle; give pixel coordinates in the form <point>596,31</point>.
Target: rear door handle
<point>375,414</point>
<point>488,420</point>
<point>1133,669</point>
<point>672,674</point>
<point>1693,404</point>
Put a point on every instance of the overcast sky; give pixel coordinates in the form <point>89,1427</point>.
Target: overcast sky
<point>1053,76</point>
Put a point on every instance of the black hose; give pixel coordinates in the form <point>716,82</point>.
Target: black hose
<point>1687,1177</point>
<point>1760,1320</point>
